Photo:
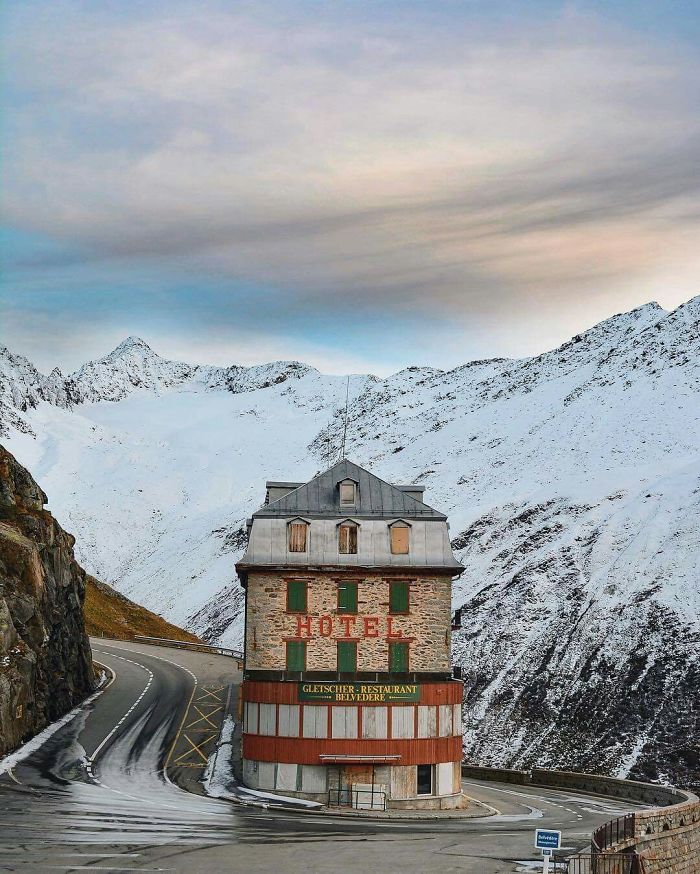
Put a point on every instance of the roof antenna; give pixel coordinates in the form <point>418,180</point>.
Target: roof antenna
<point>345,425</point>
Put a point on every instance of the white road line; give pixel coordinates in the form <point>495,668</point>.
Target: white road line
<point>129,711</point>
<point>163,772</point>
<point>169,662</point>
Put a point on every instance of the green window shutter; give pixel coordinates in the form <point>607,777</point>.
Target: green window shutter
<point>296,596</point>
<point>398,658</point>
<point>296,655</point>
<point>347,656</point>
<point>347,597</point>
<point>398,597</point>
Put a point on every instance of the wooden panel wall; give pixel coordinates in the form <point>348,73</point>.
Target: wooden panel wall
<point>307,751</point>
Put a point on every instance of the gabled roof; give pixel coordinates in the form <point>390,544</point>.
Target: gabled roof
<point>375,498</point>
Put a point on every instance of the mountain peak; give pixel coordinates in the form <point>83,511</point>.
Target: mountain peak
<point>130,344</point>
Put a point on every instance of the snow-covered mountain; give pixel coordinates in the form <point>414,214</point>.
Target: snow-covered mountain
<point>572,481</point>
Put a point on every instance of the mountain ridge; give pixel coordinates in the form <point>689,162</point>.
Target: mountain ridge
<point>571,480</point>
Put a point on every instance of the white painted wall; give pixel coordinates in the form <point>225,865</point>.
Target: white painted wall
<point>427,721</point>
<point>344,721</point>
<point>402,722</point>
<point>288,720</point>
<point>374,722</point>
<point>286,776</point>
<point>315,721</point>
<point>251,717</point>
<point>266,724</point>
<point>445,720</point>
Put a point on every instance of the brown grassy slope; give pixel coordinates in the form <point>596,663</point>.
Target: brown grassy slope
<point>109,613</point>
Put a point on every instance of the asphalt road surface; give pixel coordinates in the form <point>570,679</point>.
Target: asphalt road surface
<point>101,795</point>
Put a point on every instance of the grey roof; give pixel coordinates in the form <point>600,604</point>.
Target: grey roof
<point>376,498</point>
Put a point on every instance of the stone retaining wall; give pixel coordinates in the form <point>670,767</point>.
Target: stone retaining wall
<point>647,793</point>
<point>501,775</point>
<point>666,839</point>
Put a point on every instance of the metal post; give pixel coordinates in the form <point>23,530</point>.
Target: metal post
<point>545,865</point>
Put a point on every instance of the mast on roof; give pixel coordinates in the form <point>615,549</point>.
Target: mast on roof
<point>345,423</point>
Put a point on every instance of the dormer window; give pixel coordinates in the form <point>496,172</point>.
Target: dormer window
<point>347,538</point>
<point>348,491</point>
<point>298,535</point>
<point>399,533</point>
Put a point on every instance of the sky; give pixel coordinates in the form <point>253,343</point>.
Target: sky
<point>359,185</point>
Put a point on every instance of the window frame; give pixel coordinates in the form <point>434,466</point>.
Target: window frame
<point>347,484</point>
<point>396,527</point>
<point>295,523</point>
<point>343,585</point>
<point>431,771</point>
<point>288,608</point>
<point>394,585</point>
<point>301,648</point>
<point>350,526</point>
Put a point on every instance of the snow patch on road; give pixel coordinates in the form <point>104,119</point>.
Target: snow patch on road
<point>219,782</point>
<point>13,759</point>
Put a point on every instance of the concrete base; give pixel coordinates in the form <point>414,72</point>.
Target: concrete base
<point>457,801</point>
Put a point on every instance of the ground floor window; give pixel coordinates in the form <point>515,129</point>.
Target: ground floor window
<point>424,780</point>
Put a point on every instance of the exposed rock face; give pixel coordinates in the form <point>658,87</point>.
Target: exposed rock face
<point>45,659</point>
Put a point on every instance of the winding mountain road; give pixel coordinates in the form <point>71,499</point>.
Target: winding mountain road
<point>104,794</point>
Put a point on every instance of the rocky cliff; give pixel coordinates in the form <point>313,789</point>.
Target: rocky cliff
<point>45,660</point>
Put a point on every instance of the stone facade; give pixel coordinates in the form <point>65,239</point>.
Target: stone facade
<point>426,626</point>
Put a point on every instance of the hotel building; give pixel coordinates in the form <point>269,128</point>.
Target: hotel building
<point>348,693</point>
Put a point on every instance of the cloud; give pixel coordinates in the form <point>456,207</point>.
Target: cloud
<point>357,161</point>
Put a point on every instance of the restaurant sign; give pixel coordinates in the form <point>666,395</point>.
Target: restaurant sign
<point>358,692</point>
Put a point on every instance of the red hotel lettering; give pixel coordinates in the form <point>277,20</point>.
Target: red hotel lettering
<point>345,621</point>
<point>325,626</point>
<point>371,626</point>
<point>390,628</point>
<point>304,624</point>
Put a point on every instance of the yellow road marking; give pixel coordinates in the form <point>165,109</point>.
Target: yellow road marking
<point>179,731</point>
<point>194,748</point>
<point>211,693</point>
<point>204,717</point>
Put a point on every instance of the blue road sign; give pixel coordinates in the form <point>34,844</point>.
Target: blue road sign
<point>545,839</point>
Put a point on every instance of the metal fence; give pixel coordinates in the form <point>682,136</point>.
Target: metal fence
<point>612,832</point>
<point>360,799</point>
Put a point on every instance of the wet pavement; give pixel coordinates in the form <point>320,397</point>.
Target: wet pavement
<point>96,796</point>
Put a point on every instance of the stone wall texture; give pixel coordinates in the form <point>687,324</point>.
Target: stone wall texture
<point>427,626</point>
<point>45,660</point>
<point>668,840</point>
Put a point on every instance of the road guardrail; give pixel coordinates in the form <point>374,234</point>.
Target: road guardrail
<point>187,644</point>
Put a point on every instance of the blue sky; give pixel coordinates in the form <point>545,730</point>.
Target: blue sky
<point>361,186</point>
